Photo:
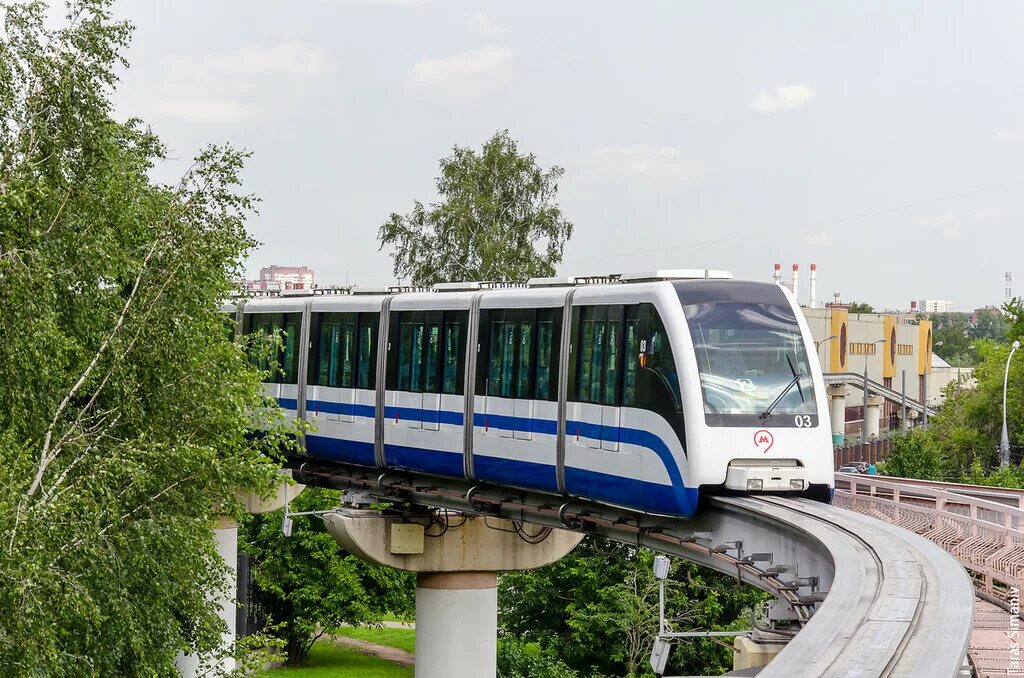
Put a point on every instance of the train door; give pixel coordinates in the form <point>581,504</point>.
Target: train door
<point>408,397</point>
<point>525,352</point>
<point>610,412</point>
<point>431,378</point>
<point>499,405</point>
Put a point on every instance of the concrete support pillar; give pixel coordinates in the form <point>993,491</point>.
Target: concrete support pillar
<point>190,665</point>
<point>459,607</point>
<point>872,417</point>
<point>837,411</point>
<point>456,587</point>
<point>748,653</point>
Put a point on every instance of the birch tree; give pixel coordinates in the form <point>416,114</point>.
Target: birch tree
<point>127,406</point>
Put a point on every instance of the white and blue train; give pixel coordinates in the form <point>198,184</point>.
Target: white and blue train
<point>639,391</point>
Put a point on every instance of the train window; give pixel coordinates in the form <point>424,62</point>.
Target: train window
<point>611,364</point>
<point>431,352</point>
<point>452,353</point>
<point>517,353</point>
<point>658,356</point>
<point>432,357</point>
<point>631,359</point>
<point>524,373</point>
<point>286,325</point>
<point>365,358</point>
<point>545,332</point>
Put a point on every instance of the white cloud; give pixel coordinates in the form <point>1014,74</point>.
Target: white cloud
<point>786,98</point>
<point>658,167</point>
<point>293,59</point>
<point>820,239</point>
<point>1010,136</point>
<point>487,26</point>
<point>206,110</point>
<point>470,72</point>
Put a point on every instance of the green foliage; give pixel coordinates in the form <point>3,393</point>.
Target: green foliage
<point>327,660</point>
<point>308,585</point>
<point>517,659</point>
<point>116,461</point>
<point>859,307</point>
<point>497,219</point>
<point>1011,476</point>
<point>596,610</point>
<point>1014,312</point>
<point>913,455</point>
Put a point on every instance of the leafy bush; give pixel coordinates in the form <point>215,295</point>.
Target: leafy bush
<point>519,659</point>
<point>913,455</point>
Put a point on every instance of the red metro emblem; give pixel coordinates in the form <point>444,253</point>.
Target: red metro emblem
<point>763,440</point>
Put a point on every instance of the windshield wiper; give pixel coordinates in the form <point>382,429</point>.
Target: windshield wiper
<point>795,381</point>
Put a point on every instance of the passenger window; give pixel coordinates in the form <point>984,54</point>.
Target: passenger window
<point>365,370</point>
<point>451,357</point>
<point>544,334</point>
<point>405,357</point>
<point>611,365</point>
<point>433,351</point>
<point>416,358</point>
<point>631,359</point>
<point>284,368</point>
<point>525,359</point>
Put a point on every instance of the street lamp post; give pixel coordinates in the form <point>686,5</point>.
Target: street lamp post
<point>817,347</point>
<point>1004,443</point>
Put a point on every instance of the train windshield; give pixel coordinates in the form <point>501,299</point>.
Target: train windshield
<point>753,366</point>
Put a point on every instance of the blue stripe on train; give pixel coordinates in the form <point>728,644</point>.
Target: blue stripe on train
<point>675,498</point>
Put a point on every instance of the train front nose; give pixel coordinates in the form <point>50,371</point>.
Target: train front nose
<point>766,475</point>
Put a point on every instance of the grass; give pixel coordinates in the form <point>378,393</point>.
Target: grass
<point>327,660</point>
<point>403,639</point>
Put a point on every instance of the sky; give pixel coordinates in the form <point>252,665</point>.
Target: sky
<point>882,141</point>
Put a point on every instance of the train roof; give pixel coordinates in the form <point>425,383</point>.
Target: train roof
<point>458,295</point>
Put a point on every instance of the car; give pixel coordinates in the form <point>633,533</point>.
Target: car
<point>847,469</point>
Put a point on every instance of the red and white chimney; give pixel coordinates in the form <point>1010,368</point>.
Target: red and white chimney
<point>777,275</point>
<point>796,282</point>
<point>814,286</point>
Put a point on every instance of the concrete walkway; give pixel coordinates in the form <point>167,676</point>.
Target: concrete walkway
<point>400,657</point>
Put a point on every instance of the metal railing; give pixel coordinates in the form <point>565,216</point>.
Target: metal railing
<point>875,388</point>
<point>986,537</point>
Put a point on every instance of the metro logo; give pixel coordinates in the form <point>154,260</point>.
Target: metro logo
<point>763,440</point>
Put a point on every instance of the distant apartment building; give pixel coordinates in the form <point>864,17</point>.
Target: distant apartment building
<point>933,306</point>
<point>276,278</point>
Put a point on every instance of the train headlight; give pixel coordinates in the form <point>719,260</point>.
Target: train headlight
<point>796,484</point>
<point>755,484</point>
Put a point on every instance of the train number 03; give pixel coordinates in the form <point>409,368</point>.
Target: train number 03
<point>803,421</point>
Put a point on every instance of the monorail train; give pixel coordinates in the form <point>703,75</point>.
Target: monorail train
<point>640,391</point>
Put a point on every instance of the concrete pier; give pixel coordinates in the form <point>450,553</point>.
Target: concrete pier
<point>837,411</point>
<point>456,584</point>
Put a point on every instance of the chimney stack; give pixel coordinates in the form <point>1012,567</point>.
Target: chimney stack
<point>777,275</point>
<point>796,282</point>
<point>814,286</point>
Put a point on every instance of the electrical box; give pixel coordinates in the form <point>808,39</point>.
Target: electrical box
<point>406,538</point>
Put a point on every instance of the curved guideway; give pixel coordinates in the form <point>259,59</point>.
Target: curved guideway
<point>873,599</point>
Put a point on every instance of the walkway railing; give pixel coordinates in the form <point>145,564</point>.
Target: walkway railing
<point>987,537</point>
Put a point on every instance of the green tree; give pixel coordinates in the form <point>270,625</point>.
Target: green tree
<point>596,610</point>
<point>497,219</point>
<point>858,307</point>
<point>951,338</point>
<point>115,461</point>
<point>1014,317</point>
<point>913,455</point>
<point>991,326</point>
<point>308,585</point>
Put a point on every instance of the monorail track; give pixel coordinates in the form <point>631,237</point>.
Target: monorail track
<point>869,599</point>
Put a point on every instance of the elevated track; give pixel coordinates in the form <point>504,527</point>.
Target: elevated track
<point>869,599</point>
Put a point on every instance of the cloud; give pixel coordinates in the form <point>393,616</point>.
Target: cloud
<point>658,167</point>
<point>786,98</point>
<point>487,26</point>
<point>206,110</point>
<point>820,239</point>
<point>1010,136</point>
<point>948,224</point>
<point>470,72</point>
<point>292,59</point>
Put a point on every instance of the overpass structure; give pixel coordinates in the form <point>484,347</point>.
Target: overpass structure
<point>855,595</point>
